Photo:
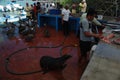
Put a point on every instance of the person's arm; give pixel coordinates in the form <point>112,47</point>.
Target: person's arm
<point>96,22</point>
<point>62,18</point>
<point>87,32</point>
<point>93,34</point>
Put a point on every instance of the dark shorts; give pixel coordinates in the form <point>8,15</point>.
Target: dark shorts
<point>66,28</point>
<point>85,46</point>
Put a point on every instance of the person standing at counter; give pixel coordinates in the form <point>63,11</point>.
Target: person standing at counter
<point>38,8</point>
<point>86,35</point>
<point>65,20</point>
<point>28,10</point>
<point>95,22</point>
<point>83,6</point>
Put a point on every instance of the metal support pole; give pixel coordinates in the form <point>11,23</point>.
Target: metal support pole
<point>116,3</point>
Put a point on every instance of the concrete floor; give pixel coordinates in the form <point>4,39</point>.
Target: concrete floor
<point>27,60</point>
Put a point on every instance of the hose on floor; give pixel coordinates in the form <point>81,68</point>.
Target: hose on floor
<point>7,61</point>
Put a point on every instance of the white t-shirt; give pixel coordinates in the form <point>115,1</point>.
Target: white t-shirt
<point>66,14</point>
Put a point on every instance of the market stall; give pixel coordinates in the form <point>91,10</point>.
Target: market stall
<point>55,21</point>
<point>105,62</point>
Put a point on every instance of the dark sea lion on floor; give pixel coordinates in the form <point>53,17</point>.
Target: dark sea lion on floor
<point>49,63</point>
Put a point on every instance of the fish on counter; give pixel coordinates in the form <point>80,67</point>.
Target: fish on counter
<point>107,38</point>
<point>116,41</point>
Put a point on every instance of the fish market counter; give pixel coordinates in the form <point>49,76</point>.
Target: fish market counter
<point>104,63</point>
<point>55,21</point>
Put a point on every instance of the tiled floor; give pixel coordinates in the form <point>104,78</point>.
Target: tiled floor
<point>26,60</point>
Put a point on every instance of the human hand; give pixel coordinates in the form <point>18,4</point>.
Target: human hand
<point>105,39</point>
<point>100,36</point>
